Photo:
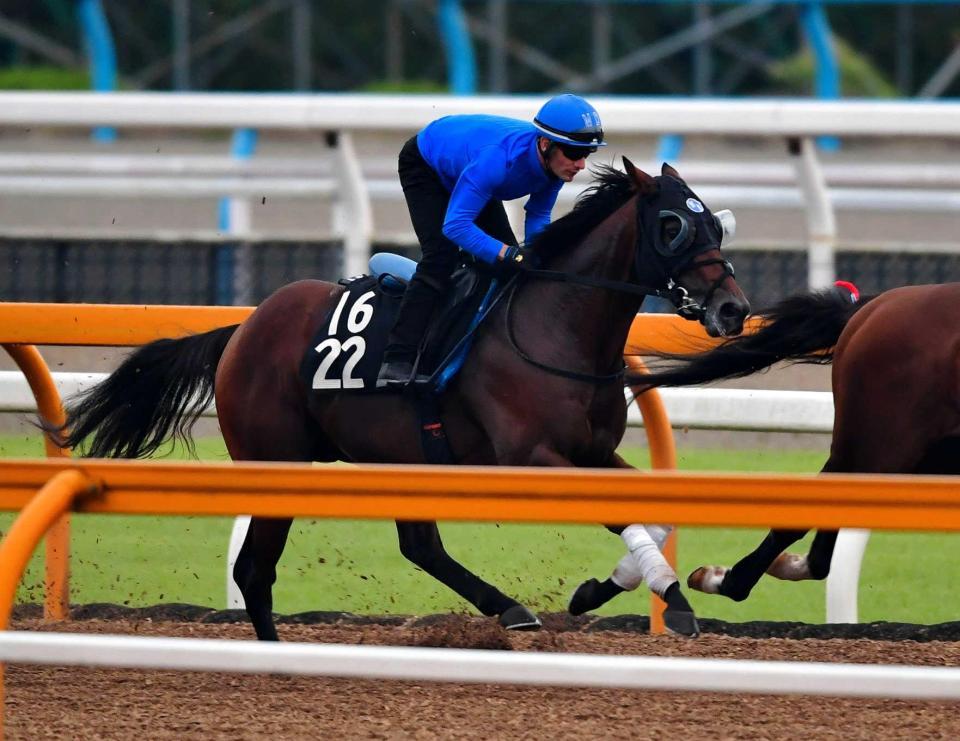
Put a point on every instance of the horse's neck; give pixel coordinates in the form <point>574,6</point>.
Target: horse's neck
<point>597,319</point>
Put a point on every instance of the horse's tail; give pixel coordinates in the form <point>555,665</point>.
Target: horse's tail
<point>799,329</point>
<point>157,393</point>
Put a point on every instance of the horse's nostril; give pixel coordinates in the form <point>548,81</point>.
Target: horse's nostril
<point>732,310</point>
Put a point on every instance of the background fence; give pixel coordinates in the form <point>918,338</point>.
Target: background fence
<point>141,220</point>
<point>128,271</point>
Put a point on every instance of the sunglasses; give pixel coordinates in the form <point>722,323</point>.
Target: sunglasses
<point>575,154</point>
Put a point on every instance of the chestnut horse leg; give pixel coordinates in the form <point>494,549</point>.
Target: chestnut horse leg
<point>942,457</point>
<point>737,581</point>
<point>420,543</point>
<point>770,558</point>
<point>857,448</point>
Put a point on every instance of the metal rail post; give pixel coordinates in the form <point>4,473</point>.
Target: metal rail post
<point>45,509</point>
<point>353,216</point>
<point>821,221</point>
<point>56,603</point>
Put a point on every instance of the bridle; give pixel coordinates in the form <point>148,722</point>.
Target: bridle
<point>686,306</point>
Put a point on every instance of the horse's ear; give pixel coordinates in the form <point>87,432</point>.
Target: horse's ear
<point>666,169</point>
<point>645,183</point>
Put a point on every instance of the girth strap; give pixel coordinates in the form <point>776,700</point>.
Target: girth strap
<point>433,437</point>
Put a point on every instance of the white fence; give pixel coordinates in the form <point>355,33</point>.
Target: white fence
<point>692,408</point>
<point>695,408</point>
<point>493,667</point>
<point>343,115</point>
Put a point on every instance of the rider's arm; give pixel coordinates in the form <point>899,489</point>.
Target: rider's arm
<point>539,207</point>
<point>473,190</point>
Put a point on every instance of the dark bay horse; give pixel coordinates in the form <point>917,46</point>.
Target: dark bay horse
<point>543,385</point>
<point>896,392</point>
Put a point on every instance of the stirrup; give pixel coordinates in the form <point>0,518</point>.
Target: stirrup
<point>398,373</point>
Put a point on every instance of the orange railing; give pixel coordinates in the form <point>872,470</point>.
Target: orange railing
<point>455,493</point>
<point>23,325</point>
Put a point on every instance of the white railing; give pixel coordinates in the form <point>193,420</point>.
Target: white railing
<point>694,408</point>
<point>798,121</point>
<point>401,113</point>
<point>489,667</point>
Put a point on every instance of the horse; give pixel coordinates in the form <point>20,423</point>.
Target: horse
<point>541,386</point>
<point>896,392</point>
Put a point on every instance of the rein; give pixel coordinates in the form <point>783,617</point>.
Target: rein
<point>610,285</point>
<point>675,293</point>
<point>686,306</point>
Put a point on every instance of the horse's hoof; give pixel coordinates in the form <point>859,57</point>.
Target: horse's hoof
<point>681,623</point>
<point>707,579</point>
<point>585,598</point>
<point>519,617</point>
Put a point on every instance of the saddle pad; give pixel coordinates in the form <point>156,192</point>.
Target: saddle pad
<point>347,350</point>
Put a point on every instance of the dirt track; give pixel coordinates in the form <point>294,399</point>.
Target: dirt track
<point>50,702</point>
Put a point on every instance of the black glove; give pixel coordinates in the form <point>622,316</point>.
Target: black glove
<point>517,258</point>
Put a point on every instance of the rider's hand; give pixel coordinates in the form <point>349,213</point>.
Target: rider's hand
<point>515,257</point>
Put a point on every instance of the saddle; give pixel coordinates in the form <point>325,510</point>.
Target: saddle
<point>346,352</point>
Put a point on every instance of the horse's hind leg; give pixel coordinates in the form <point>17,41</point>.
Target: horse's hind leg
<point>420,542</point>
<point>268,431</point>
<point>941,457</point>
<point>737,581</point>
<point>255,571</point>
<point>280,436</point>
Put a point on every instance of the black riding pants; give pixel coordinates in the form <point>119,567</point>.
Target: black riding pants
<point>427,201</point>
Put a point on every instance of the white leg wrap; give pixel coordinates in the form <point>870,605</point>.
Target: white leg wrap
<point>659,533</point>
<point>627,574</point>
<point>647,559</point>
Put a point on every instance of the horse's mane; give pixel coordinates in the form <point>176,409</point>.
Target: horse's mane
<point>610,189</point>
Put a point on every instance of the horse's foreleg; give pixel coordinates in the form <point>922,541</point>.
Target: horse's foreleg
<point>420,542</point>
<point>255,571</point>
<point>644,561</point>
<point>737,581</point>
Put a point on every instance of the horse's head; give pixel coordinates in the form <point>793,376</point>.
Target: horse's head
<point>679,247</point>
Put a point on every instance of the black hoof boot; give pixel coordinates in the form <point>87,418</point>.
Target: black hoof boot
<point>592,594</point>
<point>678,618</point>
<point>519,617</point>
<point>585,598</point>
<point>681,623</point>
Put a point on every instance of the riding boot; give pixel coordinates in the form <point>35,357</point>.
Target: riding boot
<point>419,302</point>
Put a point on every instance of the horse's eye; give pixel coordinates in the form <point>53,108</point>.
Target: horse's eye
<point>671,227</point>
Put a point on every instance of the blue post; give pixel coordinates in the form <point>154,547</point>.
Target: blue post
<point>670,147</point>
<point>242,147</point>
<point>816,27</point>
<point>101,55</point>
<point>461,63</point>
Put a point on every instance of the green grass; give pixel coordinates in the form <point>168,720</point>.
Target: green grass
<point>356,566</point>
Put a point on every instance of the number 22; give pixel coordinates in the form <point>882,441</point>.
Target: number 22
<point>360,315</point>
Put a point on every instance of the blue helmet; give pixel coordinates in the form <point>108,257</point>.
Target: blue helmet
<point>569,119</point>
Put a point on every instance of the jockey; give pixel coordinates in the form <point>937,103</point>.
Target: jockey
<point>455,174</point>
